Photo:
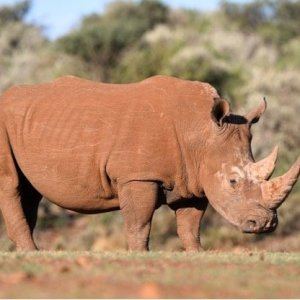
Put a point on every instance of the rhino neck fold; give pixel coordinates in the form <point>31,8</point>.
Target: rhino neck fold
<point>187,181</point>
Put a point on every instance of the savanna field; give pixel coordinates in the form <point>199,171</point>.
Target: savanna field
<point>247,51</point>
<point>64,274</point>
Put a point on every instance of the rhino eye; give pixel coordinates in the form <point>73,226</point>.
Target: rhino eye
<point>233,182</point>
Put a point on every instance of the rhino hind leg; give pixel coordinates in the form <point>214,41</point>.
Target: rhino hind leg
<point>189,214</point>
<point>11,208</point>
<point>16,224</point>
<point>137,202</point>
<point>30,200</point>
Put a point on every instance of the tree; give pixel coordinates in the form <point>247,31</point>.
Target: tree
<point>276,20</point>
<point>26,55</point>
<point>14,13</point>
<point>101,38</point>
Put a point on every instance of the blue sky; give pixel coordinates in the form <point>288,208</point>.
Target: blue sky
<point>59,16</point>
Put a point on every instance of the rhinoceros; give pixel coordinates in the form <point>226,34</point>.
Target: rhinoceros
<point>93,147</point>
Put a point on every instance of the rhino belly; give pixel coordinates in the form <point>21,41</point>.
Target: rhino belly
<point>70,181</point>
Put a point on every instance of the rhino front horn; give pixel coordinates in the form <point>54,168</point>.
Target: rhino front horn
<point>275,191</point>
<point>264,168</point>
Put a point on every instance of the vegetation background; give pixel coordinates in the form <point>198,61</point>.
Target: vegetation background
<point>246,51</point>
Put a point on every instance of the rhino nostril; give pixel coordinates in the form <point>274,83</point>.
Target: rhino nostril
<point>273,223</point>
<point>251,224</point>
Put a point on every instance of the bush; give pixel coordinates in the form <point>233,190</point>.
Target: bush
<point>101,39</point>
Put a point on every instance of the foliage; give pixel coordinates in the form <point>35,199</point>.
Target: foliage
<point>169,51</point>
<point>26,55</point>
<point>277,21</point>
<point>14,13</point>
<point>100,39</point>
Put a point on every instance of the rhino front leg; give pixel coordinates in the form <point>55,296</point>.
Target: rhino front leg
<point>137,203</point>
<point>189,214</point>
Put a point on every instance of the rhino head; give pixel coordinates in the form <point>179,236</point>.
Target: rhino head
<point>236,186</point>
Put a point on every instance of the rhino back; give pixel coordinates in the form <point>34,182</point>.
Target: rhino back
<point>75,139</point>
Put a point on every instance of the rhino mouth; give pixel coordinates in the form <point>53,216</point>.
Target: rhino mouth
<point>257,226</point>
<point>259,231</point>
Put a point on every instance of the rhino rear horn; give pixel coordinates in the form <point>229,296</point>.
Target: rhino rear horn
<point>276,190</point>
<point>254,116</point>
<point>264,168</point>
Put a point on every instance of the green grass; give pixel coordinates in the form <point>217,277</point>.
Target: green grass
<point>154,274</point>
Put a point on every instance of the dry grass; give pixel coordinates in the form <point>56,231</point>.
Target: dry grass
<point>148,275</point>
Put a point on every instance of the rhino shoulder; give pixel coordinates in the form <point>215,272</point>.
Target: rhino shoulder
<point>183,85</point>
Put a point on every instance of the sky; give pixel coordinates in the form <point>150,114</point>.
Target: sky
<point>57,17</point>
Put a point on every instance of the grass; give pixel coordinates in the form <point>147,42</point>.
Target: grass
<point>149,275</point>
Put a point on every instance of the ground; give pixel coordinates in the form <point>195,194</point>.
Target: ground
<point>209,274</point>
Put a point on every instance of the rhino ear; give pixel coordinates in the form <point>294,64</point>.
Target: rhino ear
<point>220,110</point>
